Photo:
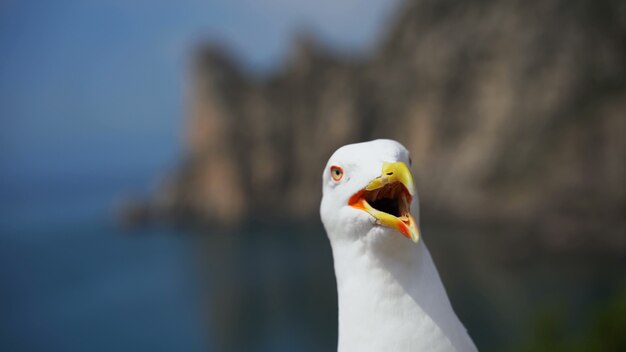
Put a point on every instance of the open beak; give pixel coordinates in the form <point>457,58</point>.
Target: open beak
<point>388,199</point>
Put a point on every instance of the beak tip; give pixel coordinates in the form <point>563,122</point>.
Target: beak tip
<point>415,235</point>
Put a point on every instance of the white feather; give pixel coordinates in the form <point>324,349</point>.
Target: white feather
<point>390,295</point>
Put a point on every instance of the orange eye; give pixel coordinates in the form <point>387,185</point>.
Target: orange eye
<point>336,173</point>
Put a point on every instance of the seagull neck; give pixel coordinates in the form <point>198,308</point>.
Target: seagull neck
<point>383,261</point>
<point>388,282</point>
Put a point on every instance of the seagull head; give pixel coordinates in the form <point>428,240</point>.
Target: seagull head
<point>368,191</point>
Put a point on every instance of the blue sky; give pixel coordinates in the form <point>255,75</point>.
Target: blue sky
<point>93,90</point>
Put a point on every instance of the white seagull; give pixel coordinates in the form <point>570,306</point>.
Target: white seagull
<point>390,295</point>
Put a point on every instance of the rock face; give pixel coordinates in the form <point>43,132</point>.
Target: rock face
<point>514,112</point>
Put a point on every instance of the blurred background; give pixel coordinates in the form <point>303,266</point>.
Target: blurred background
<point>160,166</point>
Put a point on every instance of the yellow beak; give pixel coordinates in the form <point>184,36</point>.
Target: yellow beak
<point>392,192</point>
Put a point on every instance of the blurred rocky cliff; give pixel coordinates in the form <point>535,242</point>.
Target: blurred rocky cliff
<point>514,113</point>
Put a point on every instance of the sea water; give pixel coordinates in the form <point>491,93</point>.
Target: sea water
<point>72,280</point>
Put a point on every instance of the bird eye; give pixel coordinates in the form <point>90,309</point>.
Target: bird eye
<point>336,173</point>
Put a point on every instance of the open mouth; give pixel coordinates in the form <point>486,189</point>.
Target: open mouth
<point>393,199</point>
<point>388,199</point>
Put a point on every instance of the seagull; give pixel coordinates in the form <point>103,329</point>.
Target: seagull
<point>389,292</point>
